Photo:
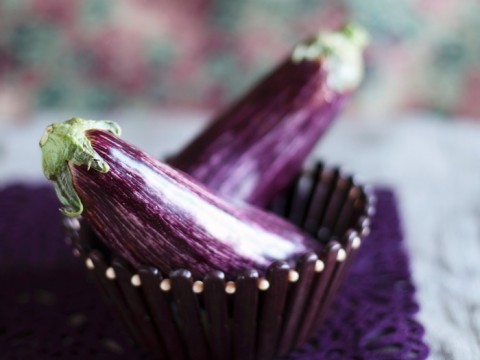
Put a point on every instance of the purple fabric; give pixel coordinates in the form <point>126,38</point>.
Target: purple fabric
<point>50,310</point>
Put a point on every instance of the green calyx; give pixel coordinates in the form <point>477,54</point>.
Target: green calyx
<point>66,143</point>
<point>341,52</point>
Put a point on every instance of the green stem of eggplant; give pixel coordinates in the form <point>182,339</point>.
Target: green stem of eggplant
<point>66,143</point>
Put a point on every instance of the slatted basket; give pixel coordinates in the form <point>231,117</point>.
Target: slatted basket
<point>255,316</point>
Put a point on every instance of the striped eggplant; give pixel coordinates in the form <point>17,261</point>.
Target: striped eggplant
<point>152,214</point>
<point>257,146</point>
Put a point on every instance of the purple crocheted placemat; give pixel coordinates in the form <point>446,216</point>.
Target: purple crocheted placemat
<point>50,310</point>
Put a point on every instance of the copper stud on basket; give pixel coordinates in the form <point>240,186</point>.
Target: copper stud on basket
<point>293,276</point>
<point>89,264</point>
<point>319,266</point>
<point>263,284</point>
<point>230,287</point>
<point>354,192</point>
<point>110,273</point>
<point>135,280</point>
<point>165,285</point>
<point>341,255</point>
<point>356,242</point>
<point>198,287</point>
<point>73,223</point>
<point>370,210</point>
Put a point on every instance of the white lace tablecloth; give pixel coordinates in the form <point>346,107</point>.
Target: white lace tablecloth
<point>433,165</point>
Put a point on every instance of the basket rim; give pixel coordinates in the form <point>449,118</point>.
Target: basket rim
<point>344,247</point>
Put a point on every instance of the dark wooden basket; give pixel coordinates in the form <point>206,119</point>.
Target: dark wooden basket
<point>174,316</point>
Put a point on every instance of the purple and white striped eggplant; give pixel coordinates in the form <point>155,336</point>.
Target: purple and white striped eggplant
<point>256,147</point>
<point>150,213</point>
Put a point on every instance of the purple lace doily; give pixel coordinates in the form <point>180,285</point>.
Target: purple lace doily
<point>50,310</point>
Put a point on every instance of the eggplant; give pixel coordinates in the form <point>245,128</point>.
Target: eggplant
<point>257,146</point>
<point>151,214</point>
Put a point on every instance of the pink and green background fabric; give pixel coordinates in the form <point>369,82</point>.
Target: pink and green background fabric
<point>100,55</point>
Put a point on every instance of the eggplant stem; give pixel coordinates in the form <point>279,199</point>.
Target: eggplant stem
<point>340,51</point>
<point>66,143</point>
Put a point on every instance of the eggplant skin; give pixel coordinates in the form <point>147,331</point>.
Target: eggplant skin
<point>258,145</point>
<point>152,214</point>
<point>254,149</point>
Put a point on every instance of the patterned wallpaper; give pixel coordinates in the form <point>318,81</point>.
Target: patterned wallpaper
<point>103,55</point>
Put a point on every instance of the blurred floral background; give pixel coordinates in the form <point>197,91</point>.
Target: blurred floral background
<point>103,55</point>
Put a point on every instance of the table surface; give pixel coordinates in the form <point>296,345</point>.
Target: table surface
<point>432,164</point>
